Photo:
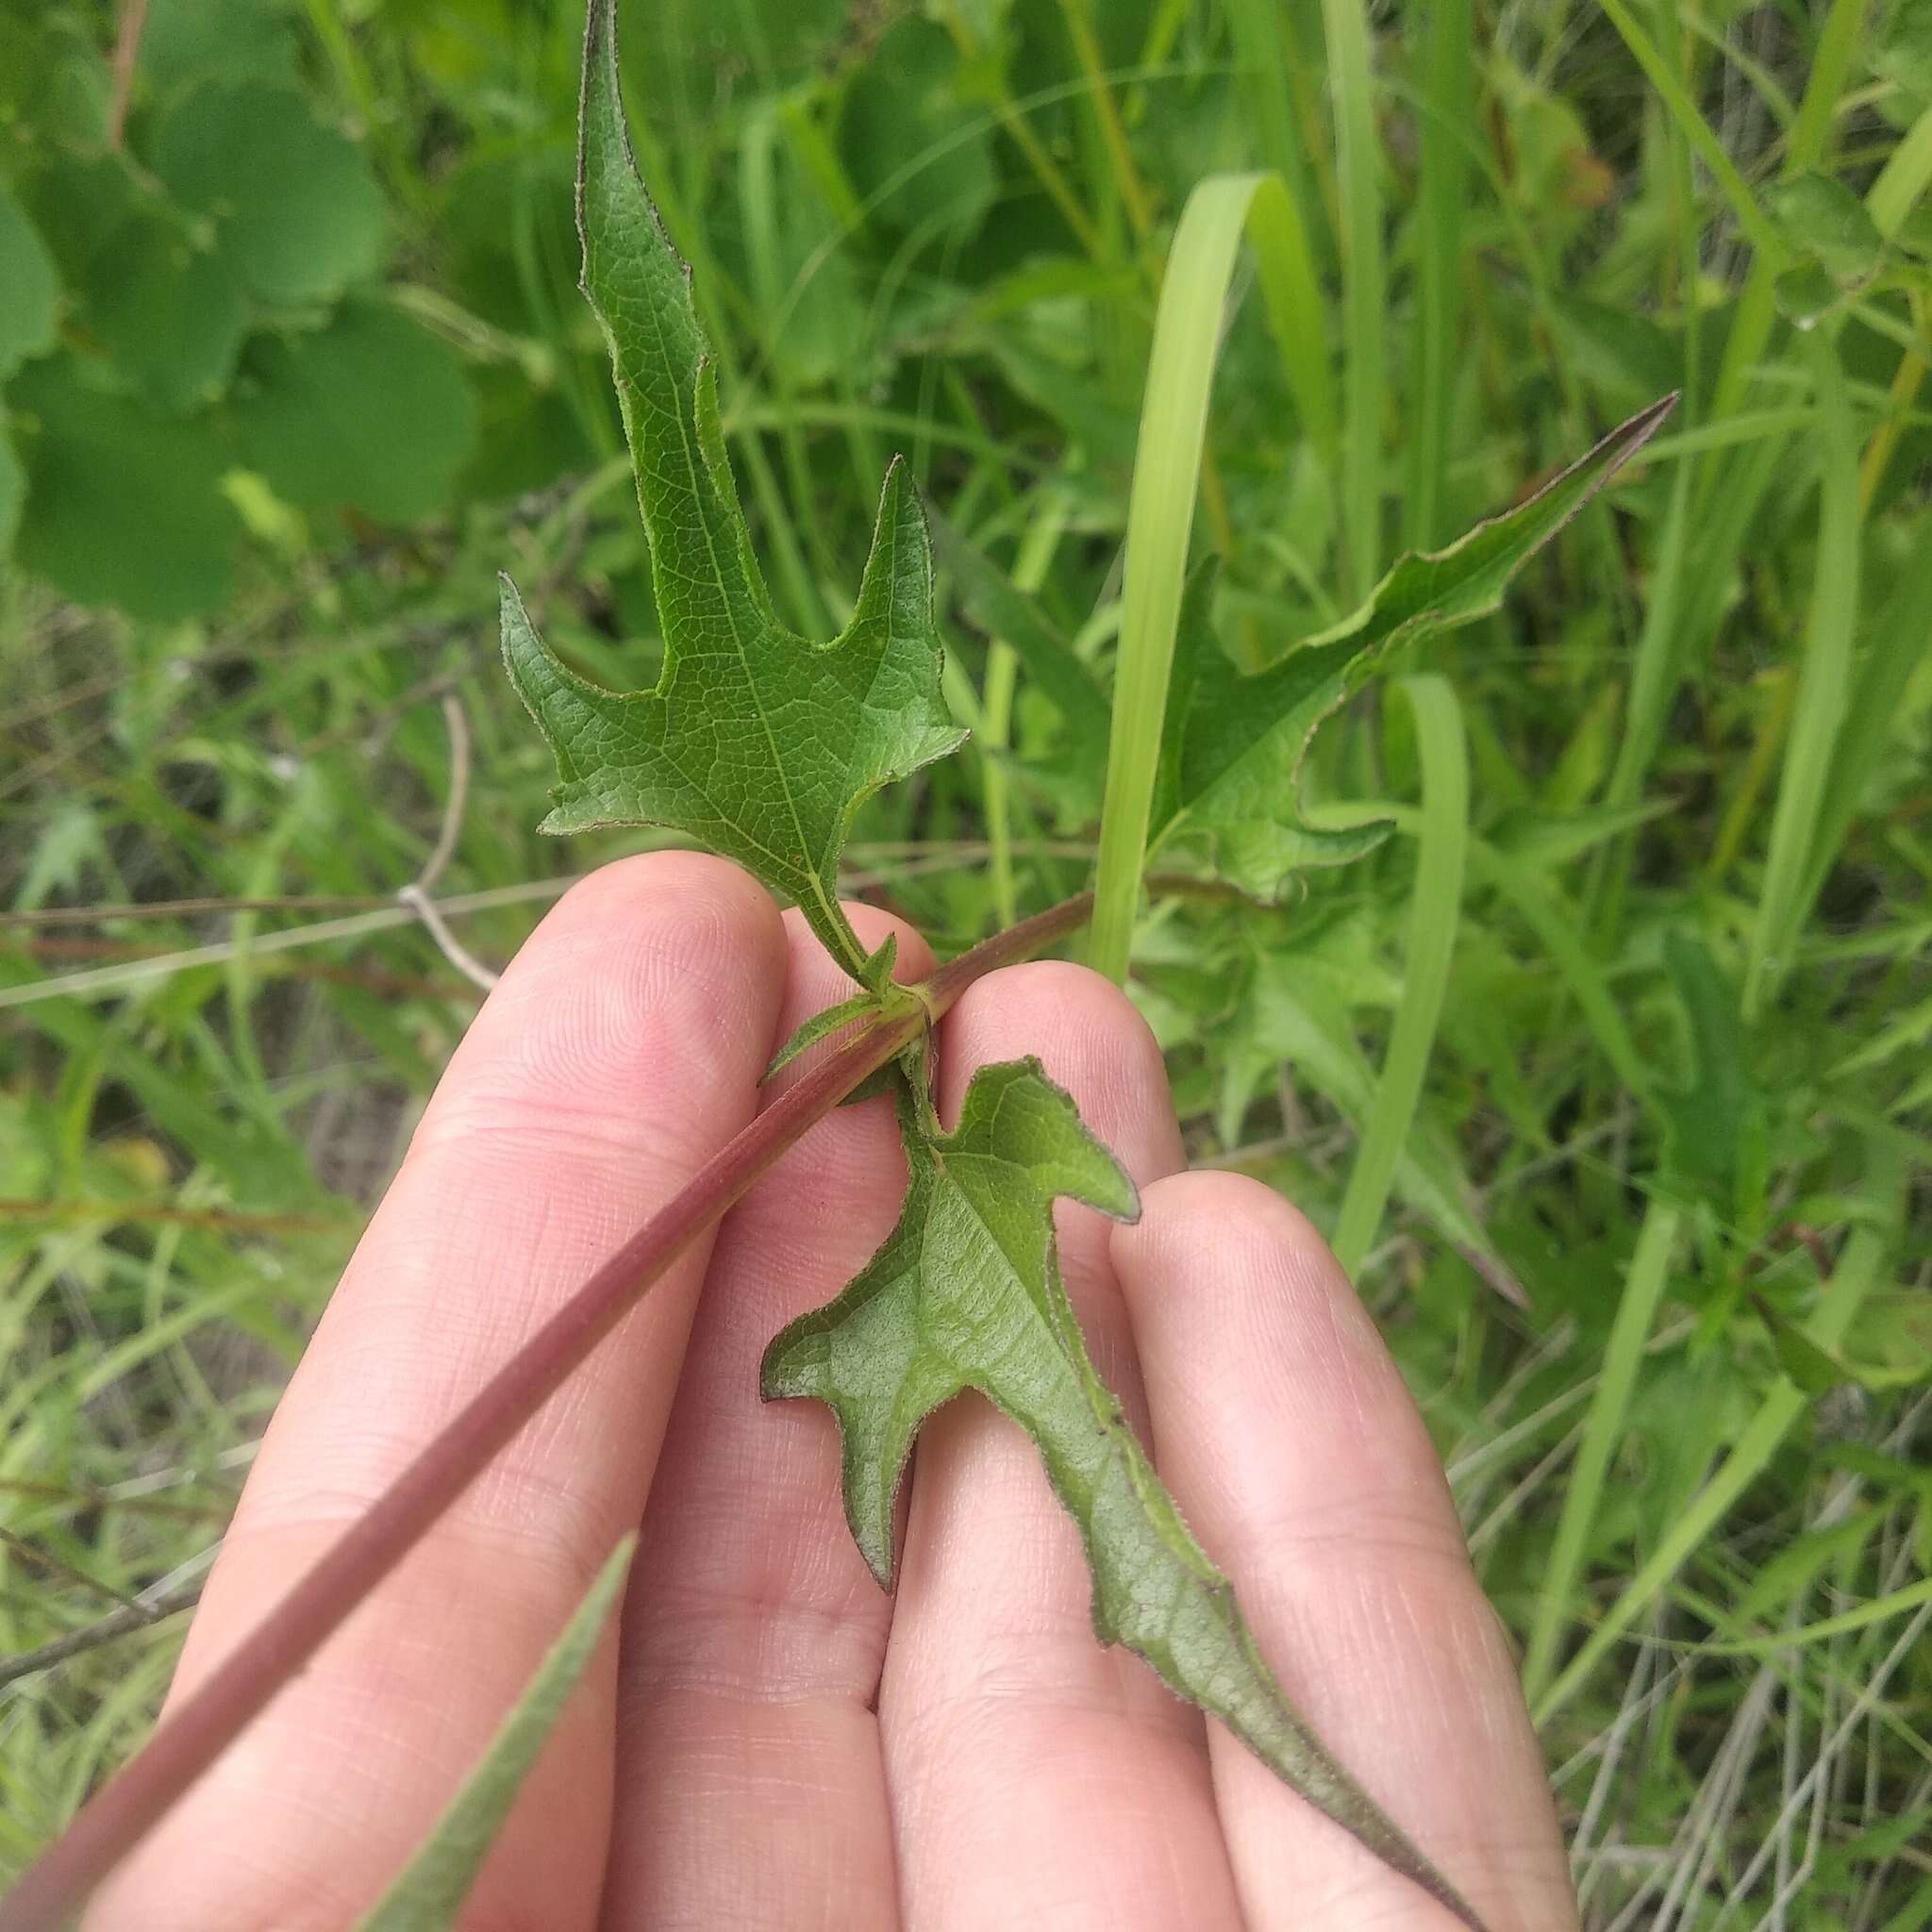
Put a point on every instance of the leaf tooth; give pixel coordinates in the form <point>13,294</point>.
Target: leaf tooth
<point>903,1383</point>
<point>895,591</point>
<point>570,711</point>
<point>539,675</point>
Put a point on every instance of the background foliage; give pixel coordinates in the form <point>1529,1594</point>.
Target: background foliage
<point>291,361</point>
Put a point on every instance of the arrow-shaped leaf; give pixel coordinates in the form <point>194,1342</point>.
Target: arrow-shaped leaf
<point>755,740</point>
<point>966,1293</point>
<point>1233,744</point>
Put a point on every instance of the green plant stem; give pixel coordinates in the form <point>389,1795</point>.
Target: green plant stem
<point>1657,667</point>
<point>402,179</point>
<point>1756,225</point>
<point>1127,182</point>
<point>1872,714</point>
<point>1643,1287</point>
<point>1442,853</point>
<point>1448,81</point>
<point>1839,1302</point>
<point>242,1684</point>
<point>1013,122</point>
<point>1823,686</point>
<point>1756,308</point>
<point>1741,813</point>
<point>1363,291</point>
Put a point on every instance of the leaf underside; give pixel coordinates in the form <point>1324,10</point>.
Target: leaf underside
<point>966,1293</point>
<point>755,740</point>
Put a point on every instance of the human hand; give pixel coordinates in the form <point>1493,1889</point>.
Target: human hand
<point>769,1742</point>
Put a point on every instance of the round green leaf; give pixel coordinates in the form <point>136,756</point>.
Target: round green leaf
<point>1903,54</point>
<point>170,313</point>
<point>78,201</point>
<point>1826,220</point>
<point>1805,295</point>
<point>190,40</point>
<point>301,215</point>
<point>372,413</point>
<point>29,289</point>
<point>53,81</point>
<point>123,504</point>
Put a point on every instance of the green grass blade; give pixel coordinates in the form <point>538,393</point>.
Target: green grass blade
<point>1828,71</point>
<point>1903,179</point>
<point>1550,921</point>
<point>1316,1038</point>
<point>1291,291</point>
<point>1893,1602</point>
<point>430,1894</point>
<point>1657,667</point>
<point>1876,706</point>
<point>1160,518</point>
<point>1855,1276</point>
<point>1441,857</point>
<point>1364,291</point>
<point>1264,46</point>
<point>1643,1287</point>
<point>1684,605</point>
<point>1822,691</point>
<point>1448,99</point>
<point>1001,609</point>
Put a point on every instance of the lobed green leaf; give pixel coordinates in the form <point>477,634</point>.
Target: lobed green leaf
<point>754,740</point>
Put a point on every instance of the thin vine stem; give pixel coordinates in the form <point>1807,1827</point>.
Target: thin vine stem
<point>242,1684</point>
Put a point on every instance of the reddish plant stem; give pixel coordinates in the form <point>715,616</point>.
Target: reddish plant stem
<point>126,52</point>
<point>127,1809</point>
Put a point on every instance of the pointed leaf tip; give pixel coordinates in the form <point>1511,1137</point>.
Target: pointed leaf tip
<point>1229,795</point>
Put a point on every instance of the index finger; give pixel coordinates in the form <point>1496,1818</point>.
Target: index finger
<point>622,1048</point>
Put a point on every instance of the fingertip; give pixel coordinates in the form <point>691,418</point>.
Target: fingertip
<point>717,905</point>
<point>1291,1445</point>
<point>1092,1041</point>
<point>619,1052</point>
<point>1259,1239</point>
<point>667,968</point>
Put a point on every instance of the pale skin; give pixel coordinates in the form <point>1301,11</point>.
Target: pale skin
<point>765,1740</point>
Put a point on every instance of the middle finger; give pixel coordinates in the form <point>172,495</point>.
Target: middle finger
<point>1028,1766</point>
